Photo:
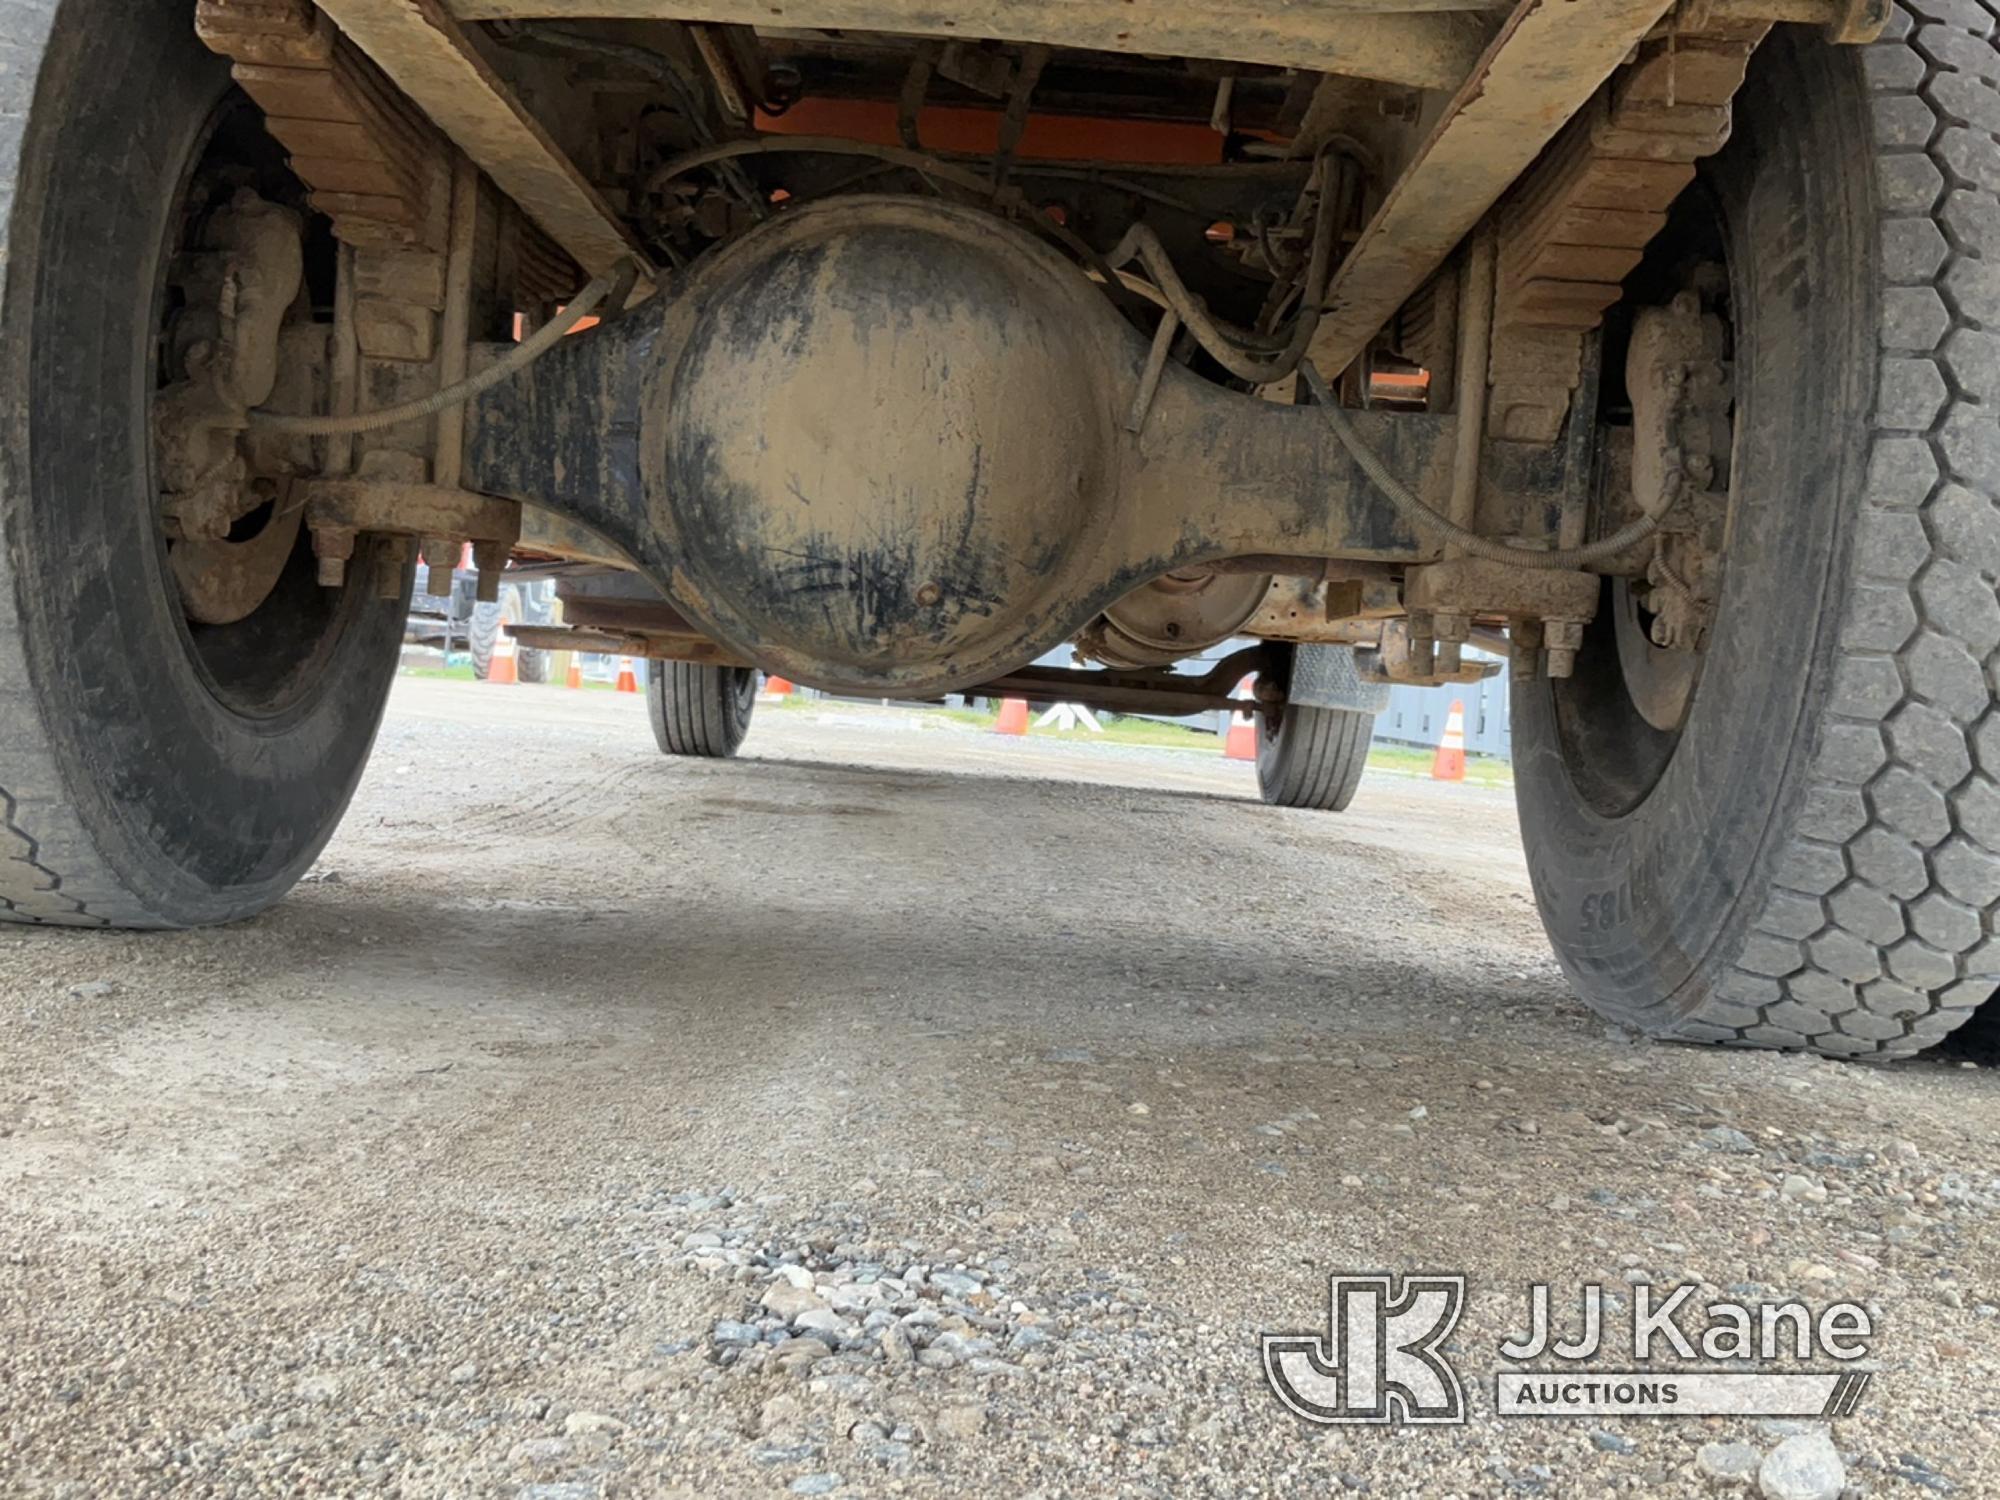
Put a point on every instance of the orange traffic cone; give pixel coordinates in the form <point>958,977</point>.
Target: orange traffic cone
<point>628,675</point>
<point>574,678</point>
<point>1013,716</point>
<point>1241,741</point>
<point>1449,762</point>
<point>775,688</point>
<point>501,666</point>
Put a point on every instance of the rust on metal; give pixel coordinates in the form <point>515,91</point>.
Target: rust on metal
<point>370,161</point>
<point>1547,61</point>
<point>419,510</point>
<point>1175,615</point>
<point>1576,225</point>
<point>426,54</point>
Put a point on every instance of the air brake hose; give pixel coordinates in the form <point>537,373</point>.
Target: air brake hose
<point>1228,345</point>
<point>522,355</point>
<point>1433,523</point>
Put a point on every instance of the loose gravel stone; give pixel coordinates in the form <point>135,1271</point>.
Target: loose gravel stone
<point>559,1082</point>
<point>1803,1467</point>
<point>1727,1463</point>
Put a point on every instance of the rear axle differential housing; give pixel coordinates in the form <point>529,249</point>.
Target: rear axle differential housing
<point>881,444</point>
<point>884,439</point>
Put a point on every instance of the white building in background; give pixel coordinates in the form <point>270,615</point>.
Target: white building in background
<point>1415,715</point>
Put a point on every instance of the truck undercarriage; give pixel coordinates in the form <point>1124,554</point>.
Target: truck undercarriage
<point>889,346</point>
<point>1128,258</point>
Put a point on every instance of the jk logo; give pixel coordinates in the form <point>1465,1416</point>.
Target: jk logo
<point>1378,1361</point>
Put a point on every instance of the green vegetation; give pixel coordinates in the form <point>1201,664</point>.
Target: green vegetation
<point>461,671</point>
<point>1480,770</point>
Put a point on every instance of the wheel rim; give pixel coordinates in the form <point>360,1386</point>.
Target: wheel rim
<point>1621,715</point>
<point>1659,682</point>
<point>253,622</point>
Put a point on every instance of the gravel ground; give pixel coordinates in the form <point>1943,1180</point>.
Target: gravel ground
<point>905,1110</point>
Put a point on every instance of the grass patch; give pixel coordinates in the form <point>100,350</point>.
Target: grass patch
<point>1406,760</point>
<point>1480,770</point>
<point>457,672</point>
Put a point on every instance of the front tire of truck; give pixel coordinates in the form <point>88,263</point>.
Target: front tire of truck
<point>1806,854</point>
<point>154,771</point>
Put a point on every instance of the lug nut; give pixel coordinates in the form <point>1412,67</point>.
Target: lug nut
<point>1423,644</point>
<point>1452,631</point>
<point>1524,647</point>
<point>333,546</point>
<point>490,558</point>
<point>1564,638</point>
<point>392,568</point>
<point>440,554</point>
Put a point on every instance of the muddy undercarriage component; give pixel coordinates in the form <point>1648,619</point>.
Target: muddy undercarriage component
<point>1176,615</point>
<point>1544,66</point>
<point>614,611</point>
<point>1679,380</point>
<point>339,511</point>
<point>231,339</point>
<point>1576,226</point>
<point>1146,691</point>
<point>1425,44</point>
<point>440,68</point>
<point>877,444</point>
<point>373,163</point>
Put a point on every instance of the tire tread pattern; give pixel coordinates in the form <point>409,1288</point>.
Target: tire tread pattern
<point>1318,758</point>
<point>1878,938</point>
<point>50,871</point>
<point>693,709</point>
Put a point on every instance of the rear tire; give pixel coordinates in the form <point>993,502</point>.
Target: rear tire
<point>1313,757</point>
<point>1811,857</point>
<point>699,710</point>
<point>153,772</point>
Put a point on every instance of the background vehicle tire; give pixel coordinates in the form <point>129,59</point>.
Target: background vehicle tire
<point>482,631</point>
<point>153,772</point>
<point>1811,857</point>
<point>698,710</point>
<point>1313,757</point>
<point>537,604</point>
<point>513,607</point>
